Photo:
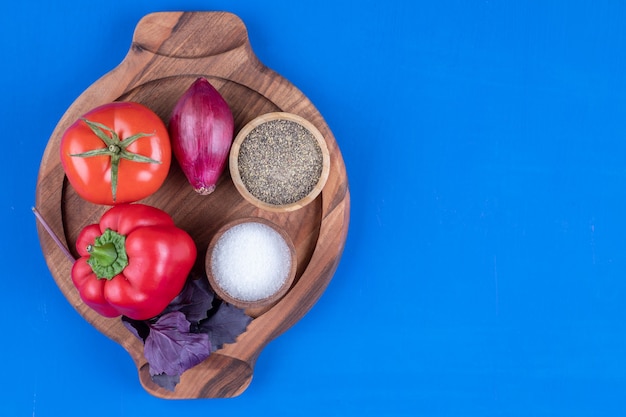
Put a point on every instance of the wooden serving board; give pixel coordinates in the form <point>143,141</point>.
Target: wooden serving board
<point>168,52</point>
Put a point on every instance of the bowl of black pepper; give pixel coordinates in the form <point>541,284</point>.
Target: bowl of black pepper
<point>279,162</point>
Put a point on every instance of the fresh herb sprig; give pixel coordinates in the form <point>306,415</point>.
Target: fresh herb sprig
<point>195,324</point>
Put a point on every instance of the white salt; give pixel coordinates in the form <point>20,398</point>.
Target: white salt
<point>251,261</point>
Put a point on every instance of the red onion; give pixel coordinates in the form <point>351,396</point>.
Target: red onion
<point>201,131</point>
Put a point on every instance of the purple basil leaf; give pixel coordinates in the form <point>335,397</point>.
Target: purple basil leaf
<point>171,349</point>
<point>194,300</point>
<point>168,382</point>
<point>225,325</point>
<point>139,328</point>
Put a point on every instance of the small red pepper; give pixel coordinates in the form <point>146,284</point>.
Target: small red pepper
<point>133,263</point>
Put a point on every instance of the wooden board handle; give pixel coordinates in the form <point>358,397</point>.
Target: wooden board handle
<point>204,34</point>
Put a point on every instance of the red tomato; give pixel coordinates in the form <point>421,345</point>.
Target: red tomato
<point>117,153</point>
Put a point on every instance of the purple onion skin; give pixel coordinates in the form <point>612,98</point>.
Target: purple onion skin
<point>201,132</point>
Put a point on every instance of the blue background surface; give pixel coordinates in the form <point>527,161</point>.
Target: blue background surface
<point>485,267</point>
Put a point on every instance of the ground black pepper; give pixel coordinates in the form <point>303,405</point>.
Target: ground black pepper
<point>280,162</point>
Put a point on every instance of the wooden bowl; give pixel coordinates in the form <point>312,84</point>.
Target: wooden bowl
<point>258,302</point>
<point>235,167</point>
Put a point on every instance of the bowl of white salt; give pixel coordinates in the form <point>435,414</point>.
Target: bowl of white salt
<point>251,262</point>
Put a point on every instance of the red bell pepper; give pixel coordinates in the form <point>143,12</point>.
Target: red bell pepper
<point>133,263</point>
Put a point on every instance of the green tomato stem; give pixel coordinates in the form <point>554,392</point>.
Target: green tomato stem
<point>115,148</point>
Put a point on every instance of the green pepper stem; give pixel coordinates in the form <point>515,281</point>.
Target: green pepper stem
<point>104,254</point>
<point>107,255</point>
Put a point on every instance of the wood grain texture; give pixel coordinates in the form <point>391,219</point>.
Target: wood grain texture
<point>168,52</point>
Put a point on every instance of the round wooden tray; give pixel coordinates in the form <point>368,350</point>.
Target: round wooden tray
<point>168,52</point>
